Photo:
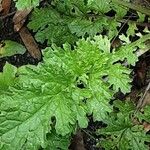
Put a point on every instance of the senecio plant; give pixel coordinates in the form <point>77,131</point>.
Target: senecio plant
<point>41,106</point>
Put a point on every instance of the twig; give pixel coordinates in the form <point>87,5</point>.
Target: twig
<point>121,28</point>
<point>141,100</point>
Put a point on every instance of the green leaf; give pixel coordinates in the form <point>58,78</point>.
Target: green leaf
<point>55,141</point>
<point>119,78</point>
<point>70,19</point>
<point>9,48</point>
<point>24,4</point>
<point>131,29</point>
<point>103,43</point>
<point>69,84</point>
<point>82,26</point>
<point>129,49</point>
<point>99,5</point>
<point>133,138</point>
<point>98,104</point>
<point>66,7</point>
<point>120,132</point>
<point>50,26</point>
<point>145,115</point>
<point>141,17</point>
<point>111,27</point>
<point>7,77</point>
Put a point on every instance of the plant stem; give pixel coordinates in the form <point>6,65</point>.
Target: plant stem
<point>133,6</point>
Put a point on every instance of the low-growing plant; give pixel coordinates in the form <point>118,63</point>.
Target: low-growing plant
<point>66,21</point>
<point>70,83</point>
<point>124,129</point>
<point>41,106</point>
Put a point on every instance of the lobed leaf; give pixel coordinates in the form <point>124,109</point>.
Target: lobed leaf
<point>55,141</point>
<point>62,90</point>
<point>121,133</point>
<point>72,19</point>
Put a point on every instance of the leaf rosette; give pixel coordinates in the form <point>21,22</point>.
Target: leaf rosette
<point>70,83</point>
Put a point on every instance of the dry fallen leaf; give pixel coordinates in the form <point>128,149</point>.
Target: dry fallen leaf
<point>1,8</point>
<point>20,18</point>
<point>5,6</point>
<point>28,40</point>
<point>30,43</point>
<point>146,126</point>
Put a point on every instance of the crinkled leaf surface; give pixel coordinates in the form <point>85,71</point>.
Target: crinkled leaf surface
<point>100,5</point>
<point>69,84</point>
<point>55,141</point>
<point>51,26</point>
<point>82,26</point>
<point>121,133</point>
<point>72,19</point>
<point>118,81</point>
